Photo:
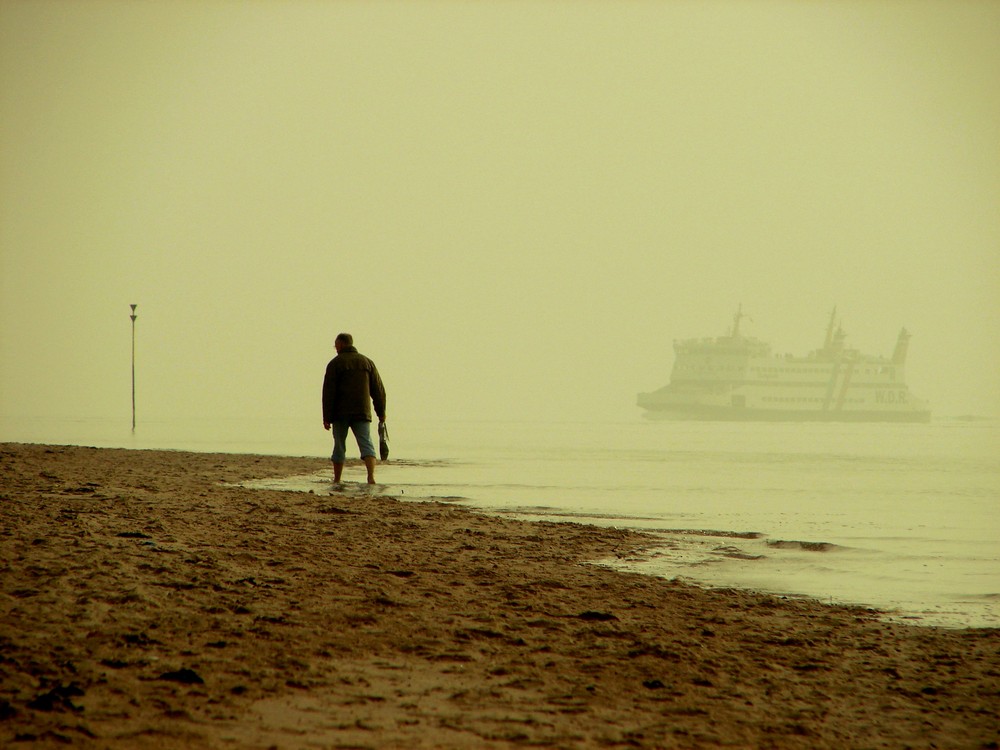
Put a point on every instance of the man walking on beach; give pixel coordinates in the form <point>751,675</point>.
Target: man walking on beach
<point>352,384</point>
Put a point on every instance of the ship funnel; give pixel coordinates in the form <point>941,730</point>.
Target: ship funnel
<point>838,340</point>
<point>902,344</point>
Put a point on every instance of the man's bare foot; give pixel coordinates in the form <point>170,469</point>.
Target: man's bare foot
<point>370,466</point>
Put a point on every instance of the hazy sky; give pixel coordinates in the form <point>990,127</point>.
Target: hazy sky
<point>514,206</point>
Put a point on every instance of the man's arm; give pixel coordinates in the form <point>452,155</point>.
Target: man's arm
<point>329,393</point>
<point>377,391</point>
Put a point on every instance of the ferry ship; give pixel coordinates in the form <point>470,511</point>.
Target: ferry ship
<point>736,377</point>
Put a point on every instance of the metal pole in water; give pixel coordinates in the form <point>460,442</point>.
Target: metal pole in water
<point>133,316</point>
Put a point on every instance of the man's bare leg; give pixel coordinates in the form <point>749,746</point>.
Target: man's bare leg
<point>338,469</point>
<point>370,465</point>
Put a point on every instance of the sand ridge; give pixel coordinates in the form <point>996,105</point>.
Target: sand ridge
<point>145,601</point>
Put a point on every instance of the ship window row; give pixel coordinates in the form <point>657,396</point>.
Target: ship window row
<point>802,400</point>
<point>784,399</point>
<point>796,370</point>
<point>824,371</point>
<point>712,368</point>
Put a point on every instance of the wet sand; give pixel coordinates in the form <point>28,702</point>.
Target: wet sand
<point>146,602</point>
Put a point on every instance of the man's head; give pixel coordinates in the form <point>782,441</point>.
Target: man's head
<point>342,341</point>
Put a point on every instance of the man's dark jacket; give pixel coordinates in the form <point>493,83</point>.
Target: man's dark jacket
<point>351,385</point>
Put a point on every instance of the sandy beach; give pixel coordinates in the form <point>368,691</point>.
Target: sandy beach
<point>147,601</point>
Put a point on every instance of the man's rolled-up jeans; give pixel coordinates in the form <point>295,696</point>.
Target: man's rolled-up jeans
<point>362,433</point>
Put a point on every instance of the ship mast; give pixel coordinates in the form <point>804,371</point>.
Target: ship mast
<point>736,321</point>
<point>829,329</point>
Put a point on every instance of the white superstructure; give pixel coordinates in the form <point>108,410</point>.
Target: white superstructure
<point>736,377</point>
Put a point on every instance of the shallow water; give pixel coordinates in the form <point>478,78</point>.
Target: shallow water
<point>898,517</point>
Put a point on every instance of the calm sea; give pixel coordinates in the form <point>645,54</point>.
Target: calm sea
<point>899,517</point>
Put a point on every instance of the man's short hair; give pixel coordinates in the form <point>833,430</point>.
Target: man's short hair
<point>346,339</point>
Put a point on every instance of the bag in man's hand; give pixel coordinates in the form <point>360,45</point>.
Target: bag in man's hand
<point>383,441</point>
